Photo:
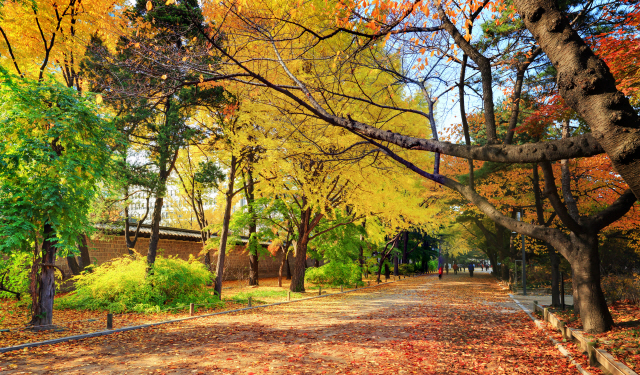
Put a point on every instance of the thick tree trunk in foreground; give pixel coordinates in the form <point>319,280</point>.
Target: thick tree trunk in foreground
<point>42,309</point>
<point>585,268</point>
<point>587,86</point>
<point>224,233</point>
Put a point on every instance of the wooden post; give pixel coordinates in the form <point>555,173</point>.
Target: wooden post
<point>591,353</point>
<point>320,290</point>
<point>249,301</point>
<point>109,321</point>
<point>562,290</point>
<point>191,306</point>
<point>341,289</point>
<point>369,282</point>
<point>289,295</point>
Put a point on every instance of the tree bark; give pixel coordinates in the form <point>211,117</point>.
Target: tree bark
<point>224,234</point>
<point>587,86</point>
<point>283,262</point>
<point>299,264</point>
<point>73,265</point>
<point>155,230</point>
<point>405,255</point>
<point>287,267</point>
<point>555,275</point>
<point>395,265</point>
<point>585,270</point>
<point>85,258</point>
<point>253,253</point>
<point>42,310</point>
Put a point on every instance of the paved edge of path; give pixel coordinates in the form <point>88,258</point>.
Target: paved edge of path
<point>131,328</point>
<point>558,345</point>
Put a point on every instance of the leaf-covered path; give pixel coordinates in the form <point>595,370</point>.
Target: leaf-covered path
<point>458,325</point>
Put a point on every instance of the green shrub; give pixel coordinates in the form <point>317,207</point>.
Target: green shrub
<point>407,269</point>
<point>433,265</point>
<point>334,273</point>
<point>14,271</point>
<point>124,285</point>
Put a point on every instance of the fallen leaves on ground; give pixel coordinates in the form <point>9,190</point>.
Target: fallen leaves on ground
<point>623,341</point>
<point>458,325</point>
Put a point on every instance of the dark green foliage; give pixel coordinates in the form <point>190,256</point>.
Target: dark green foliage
<point>55,149</point>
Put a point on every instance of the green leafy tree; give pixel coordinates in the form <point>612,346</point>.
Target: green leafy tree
<point>56,148</point>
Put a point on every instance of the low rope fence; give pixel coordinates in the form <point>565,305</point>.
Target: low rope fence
<point>109,318</point>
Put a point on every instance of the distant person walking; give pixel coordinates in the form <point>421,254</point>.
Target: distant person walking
<point>440,272</point>
<point>446,267</point>
<point>482,266</point>
<point>455,268</point>
<point>471,267</point>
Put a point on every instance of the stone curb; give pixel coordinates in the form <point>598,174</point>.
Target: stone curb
<point>131,328</point>
<point>600,356</point>
<point>558,345</point>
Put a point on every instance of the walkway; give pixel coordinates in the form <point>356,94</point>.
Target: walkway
<point>458,325</point>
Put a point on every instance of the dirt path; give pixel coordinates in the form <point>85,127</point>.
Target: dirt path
<point>420,325</point>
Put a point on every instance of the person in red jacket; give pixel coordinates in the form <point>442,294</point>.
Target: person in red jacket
<point>440,272</point>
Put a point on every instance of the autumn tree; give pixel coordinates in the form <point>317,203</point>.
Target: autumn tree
<point>40,40</point>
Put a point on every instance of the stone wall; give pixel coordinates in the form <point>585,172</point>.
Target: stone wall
<point>105,248</point>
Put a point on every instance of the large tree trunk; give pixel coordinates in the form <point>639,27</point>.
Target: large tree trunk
<point>224,234</point>
<point>299,264</point>
<point>587,86</point>
<point>585,269</point>
<point>155,230</point>
<point>42,309</point>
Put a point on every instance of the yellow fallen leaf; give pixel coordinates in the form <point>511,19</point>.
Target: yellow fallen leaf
<point>98,98</point>
<point>149,6</point>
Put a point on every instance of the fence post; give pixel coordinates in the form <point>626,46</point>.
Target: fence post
<point>289,295</point>
<point>191,306</point>
<point>249,301</point>
<point>109,321</point>
<point>320,290</point>
<point>341,289</point>
<point>562,290</point>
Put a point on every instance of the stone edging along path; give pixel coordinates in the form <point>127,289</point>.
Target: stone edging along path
<point>540,326</point>
<point>130,328</point>
<point>596,356</point>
